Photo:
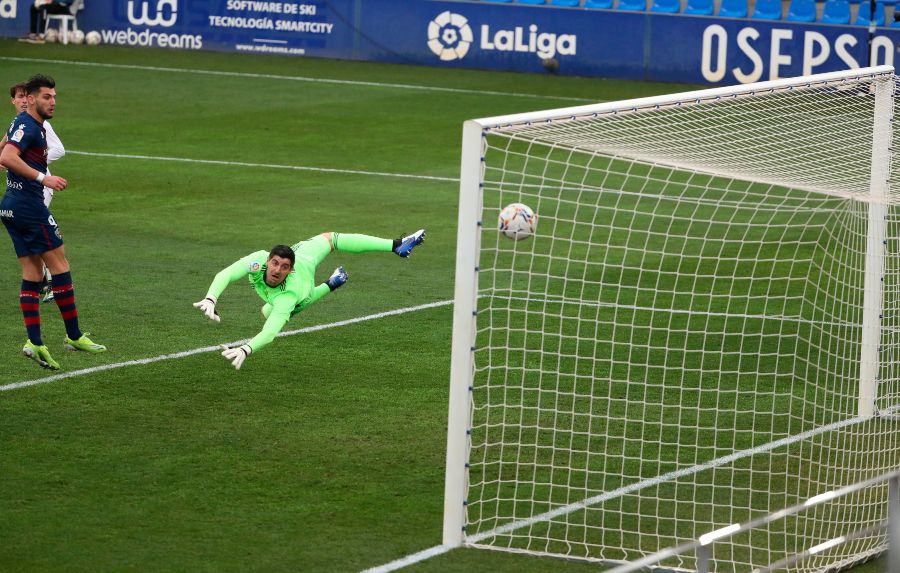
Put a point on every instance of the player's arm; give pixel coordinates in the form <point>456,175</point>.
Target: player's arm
<point>55,149</point>
<point>281,312</point>
<point>223,278</point>
<point>9,158</point>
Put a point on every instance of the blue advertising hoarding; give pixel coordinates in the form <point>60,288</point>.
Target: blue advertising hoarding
<point>446,33</point>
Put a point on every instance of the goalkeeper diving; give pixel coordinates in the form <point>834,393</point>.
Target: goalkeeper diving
<point>285,279</point>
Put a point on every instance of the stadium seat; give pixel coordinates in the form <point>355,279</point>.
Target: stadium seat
<point>862,17</point>
<point>667,6</point>
<point>733,9</point>
<point>802,11</point>
<point>65,21</point>
<point>767,10</point>
<point>533,2</point>
<point>567,3</point>
<point>836,12</point>
<point>699,7</point>
<point>598,4</point>
<point>632,5</point>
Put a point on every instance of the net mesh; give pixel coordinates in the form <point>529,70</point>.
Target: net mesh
<point>693,293</point>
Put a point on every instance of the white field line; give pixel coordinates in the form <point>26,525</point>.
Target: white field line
<point>410,559</point>
<point>616,493</point>
<point>296,79</point>
<point>265,165</point>
<point>217,347</point>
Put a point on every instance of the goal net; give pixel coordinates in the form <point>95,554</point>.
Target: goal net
<point>703,328</point>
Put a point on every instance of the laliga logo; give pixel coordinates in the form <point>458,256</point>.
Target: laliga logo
<point>7,8</point>
<point>145,20</point>
<point>449,36</point>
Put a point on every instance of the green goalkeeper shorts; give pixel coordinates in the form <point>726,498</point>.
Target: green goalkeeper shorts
<point>309,254</point>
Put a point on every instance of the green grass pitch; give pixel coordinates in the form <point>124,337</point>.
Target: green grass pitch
<point>326,451</point>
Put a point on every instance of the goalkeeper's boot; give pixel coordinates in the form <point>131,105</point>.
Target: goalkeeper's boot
<point>337,278</point>
<point>405,245</point>
<point>40,354</point>
<point>84,344</point>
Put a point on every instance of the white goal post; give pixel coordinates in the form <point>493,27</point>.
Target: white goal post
<point>703,328</point>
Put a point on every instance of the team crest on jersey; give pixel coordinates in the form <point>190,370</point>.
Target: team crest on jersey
<point>19,134</point>
<point>254,267</point>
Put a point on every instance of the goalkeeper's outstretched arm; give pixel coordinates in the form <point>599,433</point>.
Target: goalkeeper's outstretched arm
<point>278,317</point>
<point>223,278</point>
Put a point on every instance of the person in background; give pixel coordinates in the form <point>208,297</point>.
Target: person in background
<point>39,11</point>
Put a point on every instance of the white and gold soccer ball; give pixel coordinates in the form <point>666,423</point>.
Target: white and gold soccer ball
<point>517,221</point>
<point>92,38</point>
<point>77,37</point>
<point>51,35</point>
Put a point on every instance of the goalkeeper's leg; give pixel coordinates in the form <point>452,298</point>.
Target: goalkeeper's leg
<point>355,243</point>
<point>316,249</point>
<point>337,279</point>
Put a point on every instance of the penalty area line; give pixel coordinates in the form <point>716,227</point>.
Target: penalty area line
<point>186,353</point>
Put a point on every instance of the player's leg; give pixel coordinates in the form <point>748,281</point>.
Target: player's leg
<point>64,296</point>
<point>28,296</point>
<point>337,279</point>
<point>317,248</point>
<point>47,284</point>
<point>357,243</point>
<point>23,227</point>
<point>313,251</point>
<point>29,301</point>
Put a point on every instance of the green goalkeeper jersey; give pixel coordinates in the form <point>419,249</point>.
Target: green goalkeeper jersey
<point>291,296</point>
<point>298,290</point>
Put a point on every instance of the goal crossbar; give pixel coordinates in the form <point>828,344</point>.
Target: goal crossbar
<point>680,98</point>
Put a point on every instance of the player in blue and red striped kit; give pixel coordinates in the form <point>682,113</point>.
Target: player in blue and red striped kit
<point>33,230</point>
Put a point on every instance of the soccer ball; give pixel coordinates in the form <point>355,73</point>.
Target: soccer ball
<point>77,37</point>
<point>92,38</point>
<point>517,221</point>
<point>51,36</point>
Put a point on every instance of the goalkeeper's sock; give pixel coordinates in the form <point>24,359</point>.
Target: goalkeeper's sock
<point>29,300</point>
<point>355,243</point>
<point>64,295</point>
